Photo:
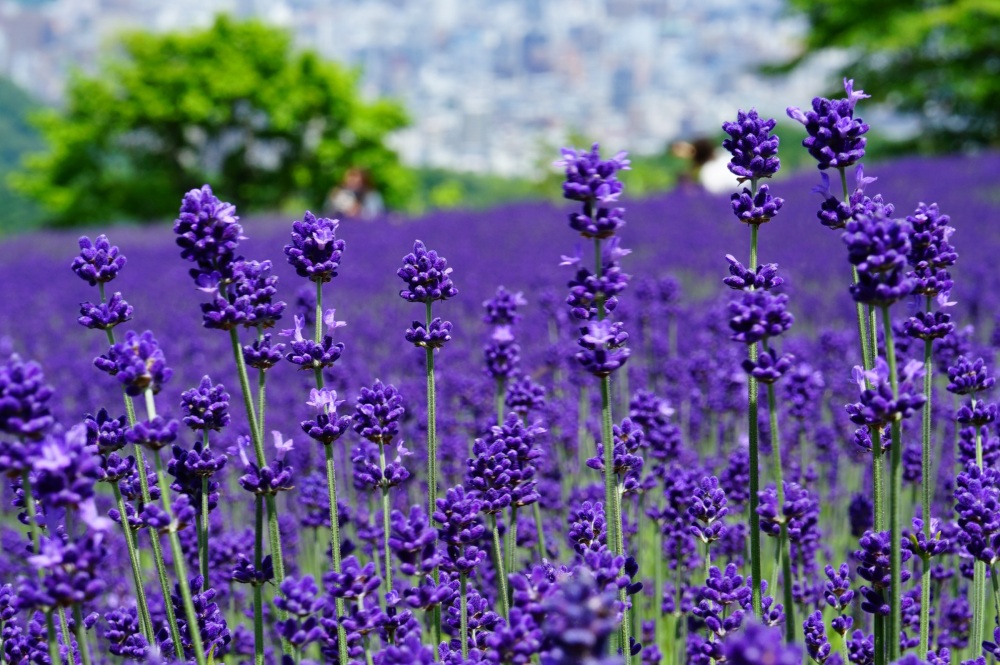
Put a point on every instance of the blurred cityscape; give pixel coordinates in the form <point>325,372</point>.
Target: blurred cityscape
<point>488,83</point>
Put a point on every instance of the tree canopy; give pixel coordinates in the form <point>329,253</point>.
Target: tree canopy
<point>936,59</point>
<point>233,105</point>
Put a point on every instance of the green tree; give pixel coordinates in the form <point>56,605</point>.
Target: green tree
<point>232,105</point>
<point>936,59</point>
<point>17,138</point>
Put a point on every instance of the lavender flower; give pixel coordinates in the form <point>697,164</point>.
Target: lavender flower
<point>752,146</point>
<point>99,262</point>
<point>315,250</point>
<point>106,315</point>
<point>427,276</point>
<point>138,363</point>
<point>206,407</point>
<point>208,233</point>
<point>836,137</point>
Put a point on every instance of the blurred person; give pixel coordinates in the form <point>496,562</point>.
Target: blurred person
<point>355,197</point>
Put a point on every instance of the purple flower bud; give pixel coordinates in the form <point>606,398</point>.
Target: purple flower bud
<point>315,251</point>
<point>98,261</point>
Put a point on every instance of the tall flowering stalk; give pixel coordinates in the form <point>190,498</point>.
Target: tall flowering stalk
<point>930,256</point>
<point>376,419</point>
<point>593,296</point>
<point>877,247</point>
<point>836,141</point>
<point>754,153</point>
<point>428,278</point>
<point>315,253</point>
<point>976,491</point>
<point>99,263</point>
<point>208,233</point>
<point>502,353</point>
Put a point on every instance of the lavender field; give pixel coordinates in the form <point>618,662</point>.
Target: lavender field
<point>753,432</point>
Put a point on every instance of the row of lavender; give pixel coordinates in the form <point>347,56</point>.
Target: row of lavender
<point>370,521</point>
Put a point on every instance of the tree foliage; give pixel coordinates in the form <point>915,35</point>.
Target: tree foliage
<point>232,105</point>
<point>936,59</point>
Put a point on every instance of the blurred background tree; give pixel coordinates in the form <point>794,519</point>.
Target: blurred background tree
<point>232,105</point>
<point>937,60</point>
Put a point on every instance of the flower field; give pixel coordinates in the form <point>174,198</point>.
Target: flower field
<point>341,423</point>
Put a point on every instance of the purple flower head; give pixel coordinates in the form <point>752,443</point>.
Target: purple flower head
<point>757,208</point>
<point>603,347</point>
<point>244,572</point>
<point>433,337</point>
<point>24,397</point>
<point>502,468</point>
<point>837,588</point>
<point>835,214</point>
<point>977,502</point>
<point>153,434</point>
<point>261,354</point>
<point>708,509</point>
<point>501,309</point>
<point>924,547</point>
<point>458,514</point>
<point>524,396</point>
<point>215,636</point>
<point>752,146</point>
<point>327,426</point>
<point>931,252</point>
<point>874,568</point>
<point>501,354</point>
<point>378,412</point>
<point>928,325</point>
<point>124,635</point>
<point>267,479</point>
<point>589,178</point>
<point>878,246</point>
<point>65,471</point>
<point>587,528</point>
<point>106,315</point>
<point>757,644</point>
<point>315,251</point>
<point>98,261</point>
<point>602,223</point>
<point>73,571</point>
<point>104,433</point>
<point>208,232</point>
<point>580,617</point>
<point>741,278</point>
<point>427,276</point>
<point>759,315</point>
<point>628,463</point>
<point>309,354</point>
<point>206,407</point>
<point>414,541</point>
<point>878,407</point>
<point>354,582</point>
<point>248,301</point>
<point>586,289</point>
<point>836,137</point>
<point>137,362</point>
<point>770,366</point>
<point>817,644</point>
<point>968,377</point>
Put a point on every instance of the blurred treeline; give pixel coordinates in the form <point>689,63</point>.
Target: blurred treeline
<point>275,128</point>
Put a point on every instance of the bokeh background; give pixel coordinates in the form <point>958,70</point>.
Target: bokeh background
<point>109,109</point>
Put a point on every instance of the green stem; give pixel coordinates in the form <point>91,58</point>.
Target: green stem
<point>463,633</point>
<point>180,566</point>
<point>501,574</point>
<point>510,541</point>
<point>331,484</point>
<point>783,540</point>
<point>145,623</point>
<point>925,494</point>
<point>67,641</point>
<point>203,521</point>
<point>258,591</point>
<point>895,498</point>
<point>29,504</point>
<point>81,634</point>
<point>432,462</point>
<point>752,408</point>
<point>978,592</point>
<point>385,519</point>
